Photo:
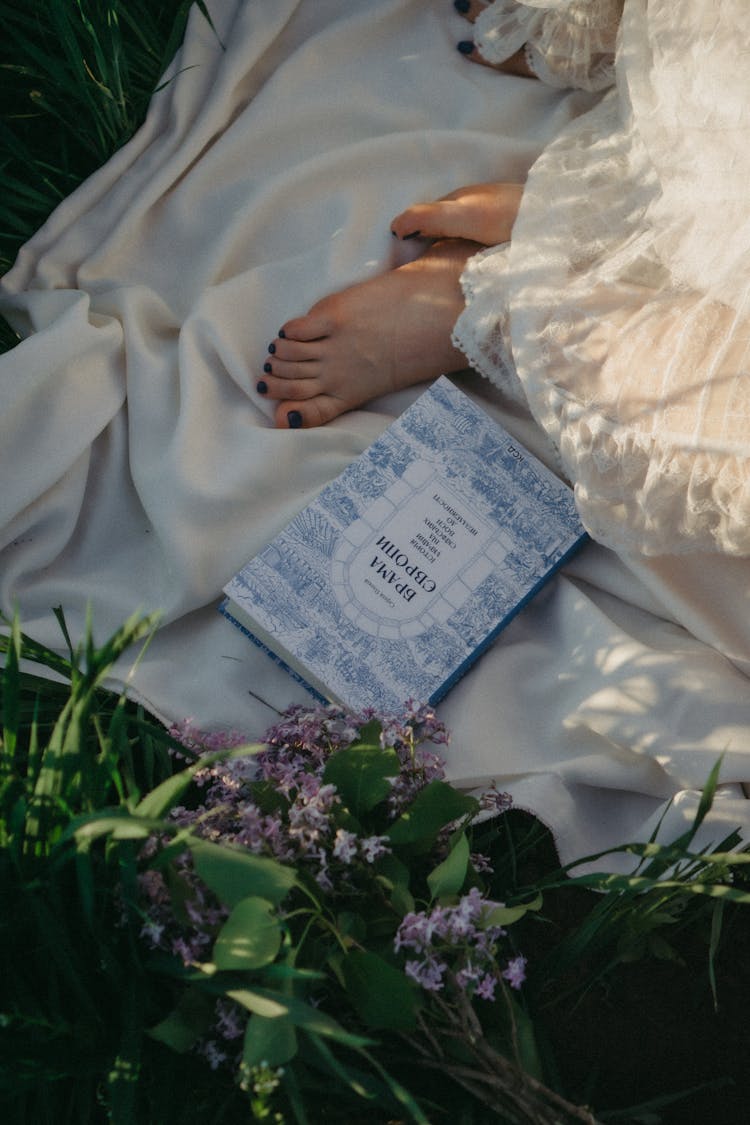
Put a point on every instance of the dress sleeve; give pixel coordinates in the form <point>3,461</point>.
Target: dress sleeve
<point>568,42</point>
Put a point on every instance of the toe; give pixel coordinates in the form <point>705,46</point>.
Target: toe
<point>294,351</point>
<point>283,370</point>
<point>278,388</point>
<point>412,222</point>
<point>314,326</point>
<point>308,413</point>
<point>441,219</point>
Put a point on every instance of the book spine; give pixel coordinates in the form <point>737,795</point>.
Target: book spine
<point>484,644</point>
<point>224,609</point>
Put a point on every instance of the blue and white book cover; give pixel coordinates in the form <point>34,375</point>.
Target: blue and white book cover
<point>403,570</point>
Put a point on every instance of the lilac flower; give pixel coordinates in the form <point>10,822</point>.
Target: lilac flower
<point>429,973</point>
<point>213,1053</point>
<point>313,729</point>
<point>372,847</point>
<point>275,803</point>
<point>418,766</point>
<point>323,876</point>
<point>417,724</point>
<point>182,948</point>
<point>460,937</point>
<point>415,931</point>
<point>153,932</point>
<point>345,845</point>
<point>205,742</point>
<point>229,1020</point>
<point>481,863</point>
<point>298,747</point>
<point>467,976</point>
<point>463,916</point>
<point>515,971</point>
<point>485,988</point>
<point>153,886</point>
<point>496,801</point>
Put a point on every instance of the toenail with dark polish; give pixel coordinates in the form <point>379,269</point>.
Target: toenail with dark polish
<point>272,349</point>
<point>281,334</point>
<point>294,418</point>
<point>465,46</point>
<point>261,387</point>
<point>267,368</point>
<point>414,234</point>
<point>462,6</point>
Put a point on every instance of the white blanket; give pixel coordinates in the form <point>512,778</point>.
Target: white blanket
<point>141,469</point>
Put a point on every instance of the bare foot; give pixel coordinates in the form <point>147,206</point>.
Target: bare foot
<point>372,338</point>
<point>484,213</point>
<point>516,64</point>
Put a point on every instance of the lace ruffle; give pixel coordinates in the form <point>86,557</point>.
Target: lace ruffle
<point>637,367</point>
<point>569,42</point>
<point>643,496</point>
<point>482,331</point>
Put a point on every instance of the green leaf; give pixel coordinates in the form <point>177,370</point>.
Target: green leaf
<point>283,971</point>
<point>360,774</point>
<point>274,1005</point>
<point>391,871</point>
<point>118,826</point>
<point>362,1085</point>
<point>528,1051</point>
<point>369,734</point>
<point>269,1005</point>
<point>435,806</point>
<point>233,874</point>
<point>402,900</point>
<point>190,1019</point>
<point>250,938</point>
<point>448,877</point>
<point>11,685</point>
<point>507,915</point>
<point>717,917</point>
<point>660,948</point>
<point>380,993</point>
<point>273,1041</point>
<point>351,925</point>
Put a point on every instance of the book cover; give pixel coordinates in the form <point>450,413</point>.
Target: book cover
<point>404,569</point>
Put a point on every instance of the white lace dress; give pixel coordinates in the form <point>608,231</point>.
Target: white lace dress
<point>619,311</point>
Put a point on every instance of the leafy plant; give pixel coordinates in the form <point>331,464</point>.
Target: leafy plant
<point>311,928</point>
<point>291,890</point>
<point>74,1003</point>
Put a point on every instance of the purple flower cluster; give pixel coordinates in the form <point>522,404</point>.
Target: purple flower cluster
<point>300,826</point>
<point>276,803</point>
<point>458,943</point>
<point>190,936</point>
<point>303,829</point>
<point>303,732</point>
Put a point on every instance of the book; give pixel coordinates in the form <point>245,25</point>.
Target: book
<point>405,568</point>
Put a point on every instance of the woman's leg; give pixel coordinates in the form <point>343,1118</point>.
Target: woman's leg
<point>391,331</point>
<point>372,338</point>
<point>484,213</point>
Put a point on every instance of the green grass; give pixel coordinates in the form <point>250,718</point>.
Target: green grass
<point>76,77</point>
<point>635,1002</point>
